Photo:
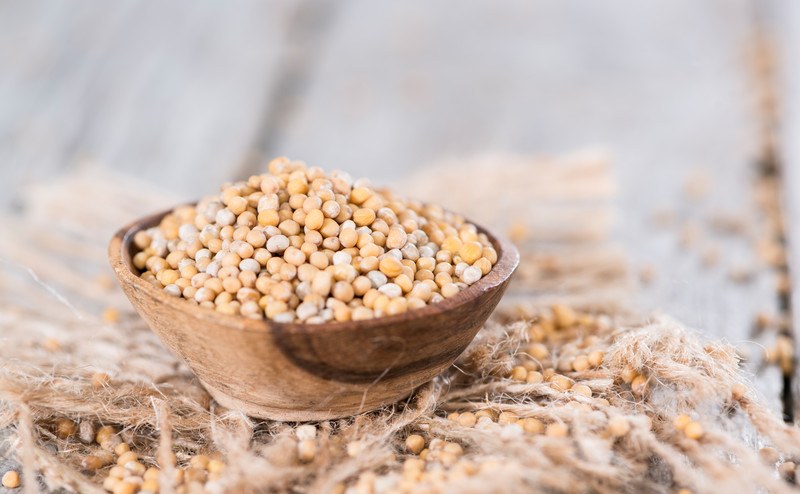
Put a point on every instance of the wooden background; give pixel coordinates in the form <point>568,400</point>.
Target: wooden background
<point>190,93</point>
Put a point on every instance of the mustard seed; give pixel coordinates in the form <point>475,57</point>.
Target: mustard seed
<point>297,224</point>
<point>467,419</point>
<point>618,426</point>
<point>556,429</point>
<point>693,430</point>
<point>11,479</point>
<point>65,428</point>
<point>415,443</point>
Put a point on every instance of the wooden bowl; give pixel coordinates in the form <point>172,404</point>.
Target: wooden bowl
<point>298,372</point>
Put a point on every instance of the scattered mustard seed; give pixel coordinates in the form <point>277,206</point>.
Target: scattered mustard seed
<point>415,443</point>
<point>11,479</point>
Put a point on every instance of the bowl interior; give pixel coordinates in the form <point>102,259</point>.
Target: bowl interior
<point>122,250</point>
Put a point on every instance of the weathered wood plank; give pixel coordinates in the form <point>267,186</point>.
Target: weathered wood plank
<point>173,92</point>
<point>663,85</point>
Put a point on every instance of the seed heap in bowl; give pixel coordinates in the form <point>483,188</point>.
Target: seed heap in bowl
<point>299,245</point>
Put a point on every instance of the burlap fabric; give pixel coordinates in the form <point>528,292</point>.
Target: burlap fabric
<point>622,436</point>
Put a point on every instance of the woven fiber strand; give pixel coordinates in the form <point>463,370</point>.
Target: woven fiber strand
<point>544,421</point>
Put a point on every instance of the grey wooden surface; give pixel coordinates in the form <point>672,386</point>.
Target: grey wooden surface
<point>189,94</point>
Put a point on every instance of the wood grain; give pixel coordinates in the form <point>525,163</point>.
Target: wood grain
<point>173,92</point>
<point>312,372</point>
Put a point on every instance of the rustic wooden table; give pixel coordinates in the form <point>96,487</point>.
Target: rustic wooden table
<point>698,102</point>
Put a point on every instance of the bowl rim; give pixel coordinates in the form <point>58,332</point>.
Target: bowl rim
<point>121,262</point>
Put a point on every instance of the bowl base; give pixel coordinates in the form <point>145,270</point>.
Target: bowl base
<point>260,411</point>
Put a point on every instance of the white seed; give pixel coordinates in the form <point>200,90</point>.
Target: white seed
<point>471,275</point>
<point>306,310</point>
<point>377,278</point>
<point>306,432</point>
<point>391,290</point>
<point>225,217</point>
<point>188,232</point>
<point>173,290</point>
<point>278,243</point>
<point>250,265</point>
<point>341,257</point>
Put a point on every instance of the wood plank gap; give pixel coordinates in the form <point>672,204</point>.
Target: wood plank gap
<point>771,184</point>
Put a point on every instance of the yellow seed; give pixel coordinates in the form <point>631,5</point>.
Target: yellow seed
<point>507,418</point>
<point>470,252</point>
<point>314,219</point>
<point>195,475</point>
<point>65,428</point>
<point>360,194</point>
<point>538,351</point>
<point>534,377</point>
<point>150,485</point>
<point>152,473</point>
<point>556,429</point>
<point>490,254</point>
<point>92,463</point>
<point>297,186</point>
<point>11,479</point>
<point>415,443</point>
<point>693,430</point>
<point>128,456</point>
<point>467,419</point>
<point>450,290</point>
<point>306,450</point>
<point>111,315</point>
<point>121,448</point>
<point>581,363</point>
<point>452,244</point>
<point>564,316</point>
<point>124,487</point>
<point>519,373</point>
<point>484,265</point>
<point>681,421</point>
<point>639,385</point>
<point>532,425</point>
<point>595,358</point>
<point>618,426</point>
<point>560,382</point>
<point>582,389</point>
<point>268,217</point>
<point>135,468</point>
<point>199,461</point>
<point>104,434</point>
<point>118,472</point>
<point>628,374</point>
<point>396,306</point>
<point>216,466</point>
<point>390,266</point>
<point>364,216</point>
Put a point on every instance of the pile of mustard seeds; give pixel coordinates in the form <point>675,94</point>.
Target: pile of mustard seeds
<point>301,245</point>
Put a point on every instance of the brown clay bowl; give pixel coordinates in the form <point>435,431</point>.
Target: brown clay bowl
<point>298,372</point>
